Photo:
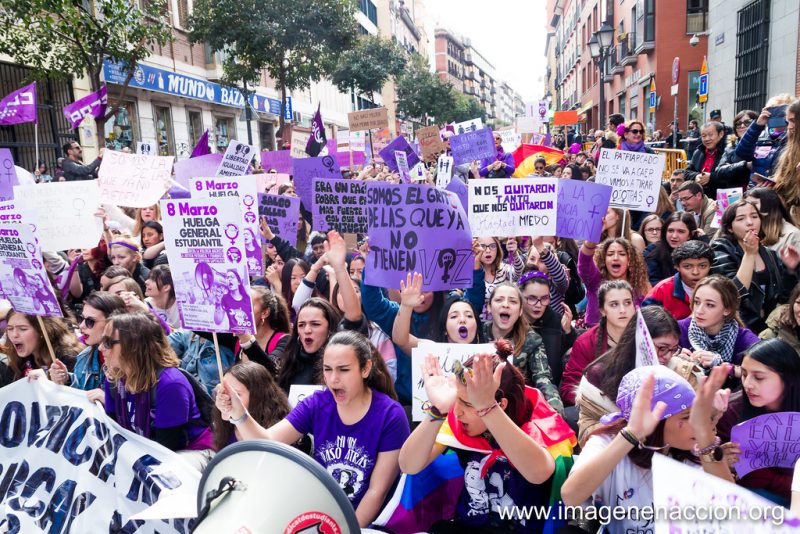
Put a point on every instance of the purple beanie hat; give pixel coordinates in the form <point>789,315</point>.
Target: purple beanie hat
<point>669,388</point>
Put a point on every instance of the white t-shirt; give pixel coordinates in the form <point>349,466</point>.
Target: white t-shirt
<point>796,478</point>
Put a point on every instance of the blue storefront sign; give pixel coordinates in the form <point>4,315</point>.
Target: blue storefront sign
<point>172,83</point>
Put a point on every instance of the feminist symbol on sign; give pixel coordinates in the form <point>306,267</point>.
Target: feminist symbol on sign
<point>248,201</point>
<point>447,260</point>
<point>328,162</point>
<point>31,248</point>
<point>78,204</point>
<point>231,230</point>
<point>650,200</point>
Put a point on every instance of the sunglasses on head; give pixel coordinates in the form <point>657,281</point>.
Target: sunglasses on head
<point>461,372</point>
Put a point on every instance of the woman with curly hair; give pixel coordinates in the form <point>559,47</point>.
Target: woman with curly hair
<point>614,259</point>
<point>784,321</point>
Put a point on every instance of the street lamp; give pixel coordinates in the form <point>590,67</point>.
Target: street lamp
<point>599,48</point>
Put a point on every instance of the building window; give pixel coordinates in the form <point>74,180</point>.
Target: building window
<point>621,102</point>
<point>224,131</point>
<point>266,132</point>
<point>696,16</point>
<point>183,13</point>
<point>194,120</point>
<point>125,128</point>
<point>634,105</point>
<point>163,124</point>
<point>368,8</point>
<point>752,55</point>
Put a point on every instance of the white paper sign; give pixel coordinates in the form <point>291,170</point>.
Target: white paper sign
<point>444,171</point>
<point>134,180</point>
<point>299,142</point>
<point>298,392</point>
<point>146,147</point>
<point>245,188</point>
<point>358,141</point>
<point>513,207</point>
<point>691,501</point>
<point>634,176</point>
<point>511,140</point>
<point>402,165</point>
<point>527,125</point>
<point>84,473</point>
<point>468,126</point>
<point>418,173</point>
<point>205,244</point>
<point>63,213</point>
<point>447,354</point>
<point>236,160</point>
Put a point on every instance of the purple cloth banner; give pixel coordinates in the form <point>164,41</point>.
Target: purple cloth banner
<point>768,440</point>
<point>93,104</point>
<point>472,146</point>
<point>340,205</point>
<point>318,139</point>
<point>8,175</point>
<point>304,170</point>
<point>417,228</point>
<point>460,189</point>
<point>280,160</point>
<point>281,214</point>
<point>19,106</point>
<point>398,143</point>
<point>201,148</point>
<point>581,208</point>
<point>186,169</point>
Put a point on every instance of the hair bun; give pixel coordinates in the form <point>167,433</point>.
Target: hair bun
<point>504,348</point>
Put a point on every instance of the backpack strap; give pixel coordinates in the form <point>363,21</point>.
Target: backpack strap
<point>273,342</point>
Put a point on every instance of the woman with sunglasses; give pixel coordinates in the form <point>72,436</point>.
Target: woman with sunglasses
<point>89,372</point>
<point>501,165</point>
<point>633,140</point>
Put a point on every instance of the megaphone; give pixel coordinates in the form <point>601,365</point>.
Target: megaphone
<point>265,487</point>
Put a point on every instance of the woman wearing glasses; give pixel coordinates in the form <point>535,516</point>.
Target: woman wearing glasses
<point>89,372</point>
<point>633,140</point>
<point>145,391</point>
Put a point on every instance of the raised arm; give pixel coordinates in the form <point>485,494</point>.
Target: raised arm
<point>410,296</point>
<point>336,254</point>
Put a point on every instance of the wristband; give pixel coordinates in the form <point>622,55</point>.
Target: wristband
<point>433,412</point>
<point>247,344</point>
<point>698,452</point>
<point>239,421</point>
<point>630,437</point>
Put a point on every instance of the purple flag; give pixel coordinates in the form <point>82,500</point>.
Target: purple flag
<point>19,106</point>
<point>93,104</point>
<point>318,138</point>
<point>399,143</point>
<point>201,148</point>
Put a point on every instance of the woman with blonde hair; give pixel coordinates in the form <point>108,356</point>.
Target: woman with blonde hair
<point>124,252</point>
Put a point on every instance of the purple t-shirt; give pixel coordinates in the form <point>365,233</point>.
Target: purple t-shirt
<point>175,405</point>
<point>349,452</point>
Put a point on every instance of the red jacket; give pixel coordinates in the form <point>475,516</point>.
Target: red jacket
<point>670,294</point>
<point>583,353</point>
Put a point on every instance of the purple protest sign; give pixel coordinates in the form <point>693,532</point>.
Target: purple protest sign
<point>281,214</point>
<point>93,104</point>
<point>19,106</point>
<point>186,169</point>
<point>472,146</point>
<point>343,158</point>
<point>304,170</point>
<point>398,143</point>
<point>417,228</point>
<point>23,279</point>
<point>581,208</point>
<point>460,189</point>
<point>769,440</point>
<point>340,205</point>
<point>280,160</point>
<point>8,175</point>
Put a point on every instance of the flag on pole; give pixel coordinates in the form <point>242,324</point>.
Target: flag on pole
<point>93,104</point>
<point>19,106</point>
<point>201,148</point>
<point>318,139</point>
<point>645,349</point>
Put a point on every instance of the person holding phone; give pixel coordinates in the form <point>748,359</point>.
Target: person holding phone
<point>763,142</point>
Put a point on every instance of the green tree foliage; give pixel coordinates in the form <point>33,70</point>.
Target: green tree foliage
<point>297,42</point>
<point>368,66</point>
<point>63,38</point>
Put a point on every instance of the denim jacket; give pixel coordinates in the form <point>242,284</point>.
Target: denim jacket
<point>88,373</point>
<point>198,357</point>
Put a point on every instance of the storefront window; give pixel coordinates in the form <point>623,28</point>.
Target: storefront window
<point>195,123</point>
<point>695,110</point>
<point>266,132</point>
<point>224,132</point>
<point>163,123</point>
<point>634,104</point>
<point>124,130</point>
<point>621,105</point>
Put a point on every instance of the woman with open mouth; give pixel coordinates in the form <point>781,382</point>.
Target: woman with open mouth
<point>356,421</point>
<point>613,227</point>
<point>614,259</point>
<point>677,230</point>
<point>26,348</point>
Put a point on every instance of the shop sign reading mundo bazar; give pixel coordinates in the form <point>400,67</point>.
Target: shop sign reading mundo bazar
<point>172,83</point>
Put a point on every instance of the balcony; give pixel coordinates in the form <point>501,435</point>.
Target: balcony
<point>625,50</point>
<point>468,75</point>
<point>611,65</point>
<point>469,91</point>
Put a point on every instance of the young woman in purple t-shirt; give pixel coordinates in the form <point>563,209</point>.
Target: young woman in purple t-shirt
<point>357,424</point>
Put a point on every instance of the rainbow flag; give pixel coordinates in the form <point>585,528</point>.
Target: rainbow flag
<point>525,155</point>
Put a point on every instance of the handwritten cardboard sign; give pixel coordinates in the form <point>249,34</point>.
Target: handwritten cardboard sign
<point>368,119</point>
<point>417,228</point>
<point>299,141</point>
<point>282,214</point>
<point>770,440</point>
<point>430,142</point>
<point>581,208</point>
<point>398,144</point>
<point>134,180</point>
<point>634,176</point>
<point>473,146</point>
<point>306,169</point>
<point>340,205</point>
<point>236,161</point>
<point>513,207</point>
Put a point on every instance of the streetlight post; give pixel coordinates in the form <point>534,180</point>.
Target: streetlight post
<point>599,48</point>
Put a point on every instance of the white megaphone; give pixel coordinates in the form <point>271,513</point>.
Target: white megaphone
<point>265,487</point>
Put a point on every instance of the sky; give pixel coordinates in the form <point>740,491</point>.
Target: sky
<point>510,34</point>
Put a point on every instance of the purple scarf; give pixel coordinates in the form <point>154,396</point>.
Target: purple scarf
<point>500,153</point>
<point>638,147</point>
<point>141,412</point>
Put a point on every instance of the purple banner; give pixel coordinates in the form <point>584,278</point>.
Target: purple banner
<point>340,205</point>
<point>417,228</point>
<point>769,440</point>
<point>581,208</point>
<point>201,148</point>
<point>460,189</point>
<point>472,146</point>
<point>281,214</point>
<point>186,169</point>
<point>280,160</point>
<point>93,104</point>
<point>304,170</point>
<point>8,175</point>
<point>398,143</point>
<point>23,278</point>
<point>19,106</point>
